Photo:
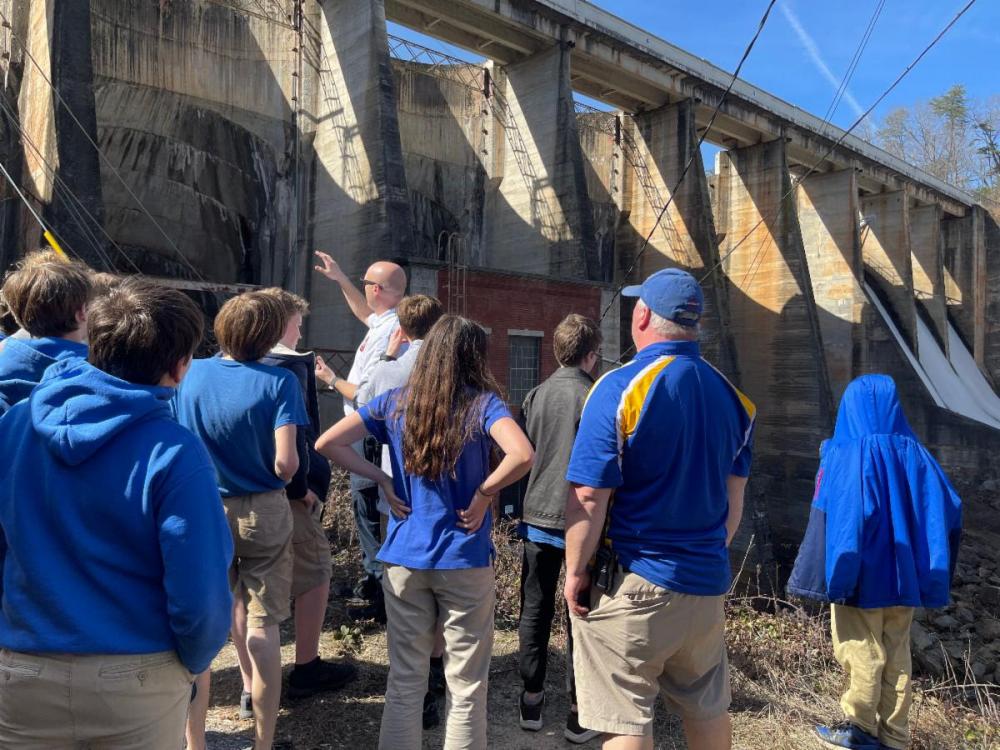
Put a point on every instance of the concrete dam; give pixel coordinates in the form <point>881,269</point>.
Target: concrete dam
<point>219,142</point>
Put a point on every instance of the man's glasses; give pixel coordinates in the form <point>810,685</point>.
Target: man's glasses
<point>366,282</point>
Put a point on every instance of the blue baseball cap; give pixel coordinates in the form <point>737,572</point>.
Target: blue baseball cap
<point>672,294</point>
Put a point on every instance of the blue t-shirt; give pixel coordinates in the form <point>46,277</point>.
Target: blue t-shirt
<point>665,431</point>
<point>540,535</point>
<point>430,538</point>
<point>235,407</point>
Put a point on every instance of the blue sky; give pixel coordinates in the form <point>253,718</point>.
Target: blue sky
<point>787,61</point>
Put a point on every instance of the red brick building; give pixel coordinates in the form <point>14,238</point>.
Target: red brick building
<point>520,313</point>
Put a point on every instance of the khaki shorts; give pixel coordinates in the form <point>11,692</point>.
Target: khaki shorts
<point>640,639</point>
<point>261,572</point>
<point>310,548</point>
<point>52,701</point>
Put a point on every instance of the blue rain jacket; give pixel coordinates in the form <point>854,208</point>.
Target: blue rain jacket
<point>885,523</point>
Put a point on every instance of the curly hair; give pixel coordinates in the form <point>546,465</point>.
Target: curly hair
<point>444,401</point>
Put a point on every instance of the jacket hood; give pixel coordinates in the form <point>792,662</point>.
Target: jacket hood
<point>77,408</point>
<point>25,361</point>
<point>870,406</point>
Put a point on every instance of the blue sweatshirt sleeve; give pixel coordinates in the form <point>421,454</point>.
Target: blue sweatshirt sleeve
<point>197,548</point>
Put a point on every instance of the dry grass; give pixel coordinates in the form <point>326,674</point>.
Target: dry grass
<point>784,677</point>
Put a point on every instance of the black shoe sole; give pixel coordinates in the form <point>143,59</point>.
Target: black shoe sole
<point>293,693</point>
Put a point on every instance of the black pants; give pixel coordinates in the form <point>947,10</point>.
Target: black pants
<point>540,568</point>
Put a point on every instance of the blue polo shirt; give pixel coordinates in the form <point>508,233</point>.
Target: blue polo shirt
<point>235,407</point>
<point>430,538</point>
<point>664,432</point>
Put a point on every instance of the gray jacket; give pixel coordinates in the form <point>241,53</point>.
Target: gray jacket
<point>551,415</point>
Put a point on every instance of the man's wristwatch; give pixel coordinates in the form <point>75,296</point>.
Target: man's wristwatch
<point>386,358</point>
<point>333,383</point>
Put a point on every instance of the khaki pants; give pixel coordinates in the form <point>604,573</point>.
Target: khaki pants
<point>415,600</point>
<point>873,647</point>
<point>105,702</point>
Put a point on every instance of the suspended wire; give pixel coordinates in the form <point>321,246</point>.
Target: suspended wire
<point>798,180</point>
<point>853,64</point>
<point>694,153</point>
<point>757,260</point>
<point>100,152</point>
<point>49,235</point>
<point>84,230</point>
<point>70,196</point>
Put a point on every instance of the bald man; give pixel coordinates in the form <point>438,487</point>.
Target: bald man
<point>384,286</point>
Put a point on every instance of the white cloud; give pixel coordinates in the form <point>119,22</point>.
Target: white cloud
<point>814,54</point>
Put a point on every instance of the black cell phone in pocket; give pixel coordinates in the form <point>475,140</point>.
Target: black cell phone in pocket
<point>605,563</point>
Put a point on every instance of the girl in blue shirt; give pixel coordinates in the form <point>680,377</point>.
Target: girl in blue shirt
<point>439,559</point>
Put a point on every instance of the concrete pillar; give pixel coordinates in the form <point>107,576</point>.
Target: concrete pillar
<point>602,154</point>
<point>990,287</point>
<point>360,207</point>
<point>37,103</point>
<point>928,267</point>
<point>885,250</point>
<point>63,168</point>
<point>611,329</point>
<point>542,221</point>
<point>964,256</point>
<point>775,330</point>
<point>655,147</point>
<point>827,207</point>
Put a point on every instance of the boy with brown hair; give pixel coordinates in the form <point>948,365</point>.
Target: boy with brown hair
<point>551,414</point>
<point>113,544</point>
<point>48,299</point>
<point>310,547</point>
<point>247,415</point>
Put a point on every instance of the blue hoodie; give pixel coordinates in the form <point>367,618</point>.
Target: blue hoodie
<point>23,362</point>
<point>113,539</point>
<point>885,522</point>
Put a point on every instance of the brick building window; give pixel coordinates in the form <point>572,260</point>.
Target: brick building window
<point>524,359</point>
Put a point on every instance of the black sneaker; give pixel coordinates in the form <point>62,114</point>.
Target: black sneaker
<point>531,716</point>
<point>366,589</point>
<point>575,733</point>
<point>436,682</point>
<point>373,611</point>
<point>431,717</point>
<point>318,676</point>
<point>246,706</point>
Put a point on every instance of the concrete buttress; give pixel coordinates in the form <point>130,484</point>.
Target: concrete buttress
<point>827,207</point>
<point>964,255</point>
<point>656,145</point>
<point>360,209</point>
<point>990,288</point>
<point>62,168</point>
<point>928,268</point>
<point>775,330</point>
<point>885,250</point>
<point>542,219</point>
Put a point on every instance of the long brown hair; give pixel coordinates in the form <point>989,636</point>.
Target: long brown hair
<point>445,397</point>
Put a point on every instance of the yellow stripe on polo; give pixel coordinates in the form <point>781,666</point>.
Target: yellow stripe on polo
<point>634,396</point>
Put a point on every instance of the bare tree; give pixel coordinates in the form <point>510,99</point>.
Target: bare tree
<point>951,136</point>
